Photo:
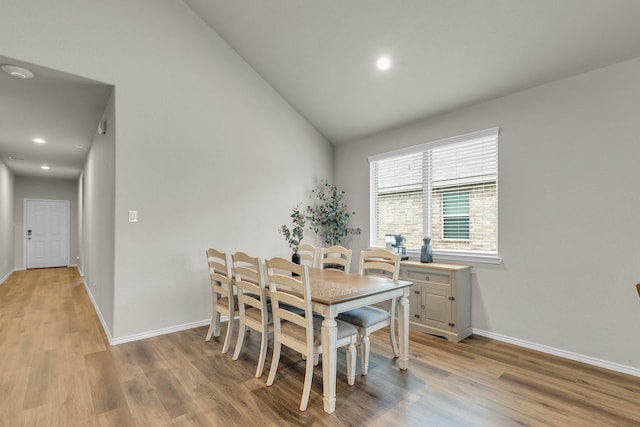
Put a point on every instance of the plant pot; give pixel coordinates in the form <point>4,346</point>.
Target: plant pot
<point>295,258</point>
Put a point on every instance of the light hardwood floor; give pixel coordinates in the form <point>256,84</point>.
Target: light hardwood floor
<point>57,369</point>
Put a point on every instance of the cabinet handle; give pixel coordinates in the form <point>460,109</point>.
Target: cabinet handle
<point>427,278</point>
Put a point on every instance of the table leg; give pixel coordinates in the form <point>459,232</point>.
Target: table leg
<point>403,330</point>
<point>329,363</point>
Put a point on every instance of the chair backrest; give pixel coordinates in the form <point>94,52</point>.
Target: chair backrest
<point>220,272</point>
<point>249,279</point>
<point>308,255</point>
<point>379,262</point>
<point>337,257</point>
<point>638,289</point>
<point>295,291</point>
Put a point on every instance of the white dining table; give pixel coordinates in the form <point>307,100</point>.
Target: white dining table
<point>333,292</point>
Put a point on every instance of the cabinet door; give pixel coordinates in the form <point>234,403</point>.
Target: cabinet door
<point>436,306</point>
<point>415,304</point>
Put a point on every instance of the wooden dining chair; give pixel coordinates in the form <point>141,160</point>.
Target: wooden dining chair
<point>336,257</point>
<point>370,319</point>
<point>638,289</point>
<point>301,333</point>
<point>225,301</point>
<point>253,308</point>
<point>308,255</point>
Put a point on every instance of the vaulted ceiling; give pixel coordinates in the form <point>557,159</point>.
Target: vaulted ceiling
<point>320,56</point>
<point>447,54</point>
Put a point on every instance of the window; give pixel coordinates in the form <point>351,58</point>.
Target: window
<point>455,215</point>
<point>446,189</point>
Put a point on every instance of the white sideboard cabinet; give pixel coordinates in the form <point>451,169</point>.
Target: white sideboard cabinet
<point>440,299</point>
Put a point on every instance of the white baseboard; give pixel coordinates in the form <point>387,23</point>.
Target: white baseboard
<point>561,353</point>
<point>6,276</point>
<point>4,279</point>
<point>515,341</point>
<point>143,335</point>
<point>158,332</point>
<point>98,312</point>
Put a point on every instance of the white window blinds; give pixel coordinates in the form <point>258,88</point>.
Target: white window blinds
<point>446,190</point>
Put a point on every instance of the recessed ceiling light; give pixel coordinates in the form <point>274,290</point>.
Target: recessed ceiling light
<point>21,73</point>
<point>79,146</point>
<point>383,63</point>
<point>38,140</point>
<point>45,167</point>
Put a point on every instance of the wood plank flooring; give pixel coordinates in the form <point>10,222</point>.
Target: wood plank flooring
<point>57,369</point>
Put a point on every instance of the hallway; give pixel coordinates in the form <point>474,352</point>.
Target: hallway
<point>48,329</point>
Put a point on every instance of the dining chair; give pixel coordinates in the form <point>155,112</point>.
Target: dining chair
<point>370,319</point>
<point>308,255</point>
<point>336,257</point>
<point>253,307</point>
<point>301,333</point>
<point>224,299</point>
<point>638,289</point>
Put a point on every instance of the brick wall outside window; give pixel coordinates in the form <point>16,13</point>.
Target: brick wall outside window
<point>401,213</point>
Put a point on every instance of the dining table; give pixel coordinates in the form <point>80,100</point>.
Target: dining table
<point>333,292</point>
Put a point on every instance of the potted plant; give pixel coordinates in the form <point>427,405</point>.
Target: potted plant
<point>328,216</point>
<point>294,235</point>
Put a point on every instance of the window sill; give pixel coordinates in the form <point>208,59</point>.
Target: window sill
<point>462,257</point>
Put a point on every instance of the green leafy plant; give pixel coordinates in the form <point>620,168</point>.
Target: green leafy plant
<point>294,235</point>
<point>328,216</point>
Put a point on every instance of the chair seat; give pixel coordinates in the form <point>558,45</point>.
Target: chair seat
<point>296,310</point>
<point>254,314</point>
<point>224,302</point>
<point>364,316</point>
<point>344,330</point>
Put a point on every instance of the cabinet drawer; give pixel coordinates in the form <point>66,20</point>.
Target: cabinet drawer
<point>429,276</point>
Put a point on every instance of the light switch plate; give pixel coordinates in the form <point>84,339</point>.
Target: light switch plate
<point>133,216</point>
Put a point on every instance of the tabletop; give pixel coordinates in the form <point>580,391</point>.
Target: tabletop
<point>332,286</point>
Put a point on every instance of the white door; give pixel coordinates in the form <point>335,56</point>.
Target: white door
<point>47,233</point>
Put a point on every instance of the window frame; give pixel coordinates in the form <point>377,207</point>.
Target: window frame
<point>443,255</point>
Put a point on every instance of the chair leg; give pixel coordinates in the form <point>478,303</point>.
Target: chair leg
<point>264,342</point>
<point>227,338</point>
<point>306,390</point>
<point>392,336</point>
<point>351,364</point>
<point>364,353</point>
<point>274,362</point>
<point>241,331</point>
<point>214,327</point>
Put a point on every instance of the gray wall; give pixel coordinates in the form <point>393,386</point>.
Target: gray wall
<point>51,189</point>
<point>568,201</point>
<point>7,201</point>
<point>206,151</point>
<point>96,193</point>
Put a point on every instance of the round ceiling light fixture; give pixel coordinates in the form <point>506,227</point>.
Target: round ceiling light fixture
<point>45,167</point>
<point>39,140</point>
<point>19,72</point>
<point>383,63</point>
